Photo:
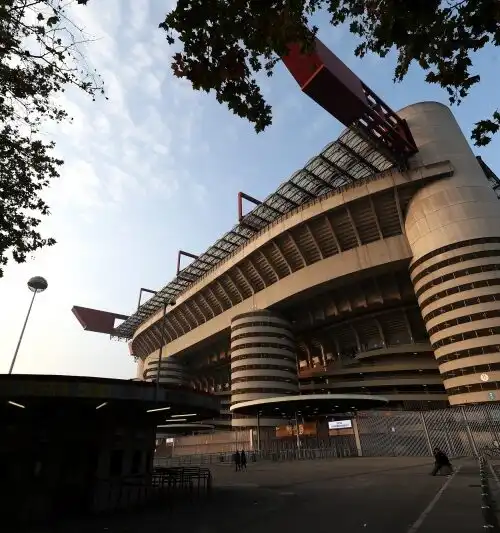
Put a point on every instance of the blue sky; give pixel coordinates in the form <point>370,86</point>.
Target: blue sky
<point>157,168</point>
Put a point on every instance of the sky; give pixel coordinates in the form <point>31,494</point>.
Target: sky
<point>157,168</point>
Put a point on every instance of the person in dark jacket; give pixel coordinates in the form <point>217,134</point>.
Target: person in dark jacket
<point>440,461</point>
<point>243,460</point>
<point>237,460</point>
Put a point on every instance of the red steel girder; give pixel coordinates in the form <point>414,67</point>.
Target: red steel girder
<point>331,84</point>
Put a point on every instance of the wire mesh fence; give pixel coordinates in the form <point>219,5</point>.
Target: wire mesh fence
<point>463,431</point>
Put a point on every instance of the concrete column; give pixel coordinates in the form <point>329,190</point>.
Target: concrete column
<point>453,228</point>
<point>356,437</point>
<point>263,361</point>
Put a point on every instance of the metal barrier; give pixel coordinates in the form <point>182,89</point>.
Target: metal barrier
<point>465,431</point>
<point>162,486</point>
<point>193,479</point>
<point>490,519</point>
<point>459,431</point>
<point>293,454</point>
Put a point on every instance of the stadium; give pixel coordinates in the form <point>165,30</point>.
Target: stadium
<point>372,270</point>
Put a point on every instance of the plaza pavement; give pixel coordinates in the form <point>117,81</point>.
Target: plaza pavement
<point>358,495</point>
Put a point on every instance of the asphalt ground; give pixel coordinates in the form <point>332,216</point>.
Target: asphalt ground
<point>368,495</point>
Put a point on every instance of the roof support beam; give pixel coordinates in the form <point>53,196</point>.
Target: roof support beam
<point>355,229</point>
<point>380,330</point>
<point>171,326</point>
<point>158,332</point>
<point>301,189</point>
<point>269,264</point>
<point>315,242</point>
<point>375,216</point>
<point>334,234</point>
<point>242,196</point>
<point>235,287</point>
<point>282,255</point>
<point>400,211</point>
<point>272,208</point>
<point>242,235</point>
<point>245,279</point>
<point>212,294</point>
<point>317,178</point>
<point>249,226</point>
<point>199,309</point>
<point>343,173</point>
<point>192,256</point>
<point>356,156</point>
<point>295,204</point>
<point>408,325</point>
<point>149,343</point>
<point>186,279</point>
<point>205,301</point>
<point>191,314</point>
<point>172,318</point>
<point>223,290</point>
<point>184,319</point>
<point>139,348</point>
<point>140,295</point>
<point>297,249</point>
<point>250,262</point>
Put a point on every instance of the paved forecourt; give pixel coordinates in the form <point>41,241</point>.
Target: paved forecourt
<point>369,495</point>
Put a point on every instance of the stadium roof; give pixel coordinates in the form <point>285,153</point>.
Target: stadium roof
<point>352,157</point>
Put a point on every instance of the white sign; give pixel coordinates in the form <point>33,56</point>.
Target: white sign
<point>485,377</point>
<point>339,424</point>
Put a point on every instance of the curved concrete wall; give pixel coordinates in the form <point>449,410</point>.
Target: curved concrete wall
<point>453,228</point>
<point>172,371</point>
<point>263,361</point>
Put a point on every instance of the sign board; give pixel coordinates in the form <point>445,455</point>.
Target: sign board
<point>491,395</point>
<point>290,430</point>
<point>485,377</point>
<point>339,424</point>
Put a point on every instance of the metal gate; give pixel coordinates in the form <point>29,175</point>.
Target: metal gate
<point>459,431</point>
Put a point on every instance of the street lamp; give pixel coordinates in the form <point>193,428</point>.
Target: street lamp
<point>35,285</point>
<point>162,342</point>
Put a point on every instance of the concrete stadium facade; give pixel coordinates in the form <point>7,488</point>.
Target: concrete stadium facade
<point>389,286</point>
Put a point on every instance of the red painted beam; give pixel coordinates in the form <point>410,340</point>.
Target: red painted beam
<point>328,81</point>
<point>331,84</point>
<point>95,320</point>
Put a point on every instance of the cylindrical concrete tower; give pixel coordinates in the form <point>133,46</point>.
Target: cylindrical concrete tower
<point>263,360</point>
<point>172,371</point>
<point>453,227</point>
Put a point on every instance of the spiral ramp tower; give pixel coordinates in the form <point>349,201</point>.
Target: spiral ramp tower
<point>453,228</point>
<point>263,362</point>
<point>172,371</point>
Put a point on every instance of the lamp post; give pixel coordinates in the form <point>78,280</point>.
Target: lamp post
<point>162,342</point>
<point>35,285</point>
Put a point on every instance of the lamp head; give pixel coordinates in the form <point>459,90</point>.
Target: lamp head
<point>37,284</point>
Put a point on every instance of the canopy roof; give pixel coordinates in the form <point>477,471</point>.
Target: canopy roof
<point>352,157</point>
<point>308,405</point>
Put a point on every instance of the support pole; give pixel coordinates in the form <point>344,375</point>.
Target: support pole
<point>22,334</point>
<point>162,342</point>
<point>426,432</point>
<point>468,432</point>
<point>297,430</point>
<point>359,449</point>
<point>258,432</point>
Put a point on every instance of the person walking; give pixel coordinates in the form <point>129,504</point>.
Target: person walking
<point>237,461</point>
<point>440,461</point>
<point>243,460</point>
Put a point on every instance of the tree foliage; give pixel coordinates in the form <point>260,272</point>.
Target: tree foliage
<point>39,57</point>
<point>225,43</point>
